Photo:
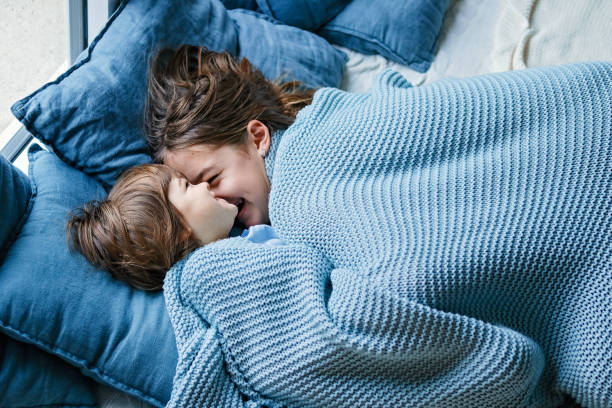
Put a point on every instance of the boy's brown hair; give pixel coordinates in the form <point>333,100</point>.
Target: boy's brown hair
<point>135,233</point>
<point>196,96</point>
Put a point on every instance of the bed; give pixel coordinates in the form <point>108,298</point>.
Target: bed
<point>475,38</point>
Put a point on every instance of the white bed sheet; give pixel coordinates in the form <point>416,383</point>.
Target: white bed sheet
<point>536,33</point>
<point>464,49</point>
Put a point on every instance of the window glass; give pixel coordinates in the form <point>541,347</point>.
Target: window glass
<point>34,49</point>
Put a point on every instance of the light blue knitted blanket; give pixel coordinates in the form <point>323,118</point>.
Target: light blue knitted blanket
<point>447,246</point>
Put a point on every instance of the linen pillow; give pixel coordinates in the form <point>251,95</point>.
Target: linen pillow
<point>403,31</point>
<point>91,116</point>
<point>29,377</point>
<point>54,298</point>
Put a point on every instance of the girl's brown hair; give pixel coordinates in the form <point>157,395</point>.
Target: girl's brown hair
<point>135,233</point>
<point>196,96</point>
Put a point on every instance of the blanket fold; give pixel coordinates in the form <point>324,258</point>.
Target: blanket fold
<point>447,246</point>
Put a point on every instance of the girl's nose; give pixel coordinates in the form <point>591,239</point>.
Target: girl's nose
<point>206,186</point>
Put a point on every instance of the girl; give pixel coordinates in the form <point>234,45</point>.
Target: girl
<point>212,118</point>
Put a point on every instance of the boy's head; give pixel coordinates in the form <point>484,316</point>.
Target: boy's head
<point>150,220</point>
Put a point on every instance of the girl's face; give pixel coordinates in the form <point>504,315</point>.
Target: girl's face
<point>236,173</point>
<point>210,218</point>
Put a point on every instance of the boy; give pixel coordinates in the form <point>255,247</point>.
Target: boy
<point>152,218</point>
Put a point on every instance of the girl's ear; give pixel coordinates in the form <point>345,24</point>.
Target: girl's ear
<point>259,134</point>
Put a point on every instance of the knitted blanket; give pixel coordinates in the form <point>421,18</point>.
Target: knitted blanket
<point>446,246</point>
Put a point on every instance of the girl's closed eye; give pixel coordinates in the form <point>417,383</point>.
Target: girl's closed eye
<point>213,178</point>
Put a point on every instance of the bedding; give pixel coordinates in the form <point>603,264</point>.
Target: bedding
<point>450,247</point>
<point>465,46</point>
<point>406,32</point>
<point>294,53</point>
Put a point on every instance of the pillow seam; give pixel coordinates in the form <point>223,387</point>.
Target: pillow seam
<point>270,19</point>
<point>265,8</point>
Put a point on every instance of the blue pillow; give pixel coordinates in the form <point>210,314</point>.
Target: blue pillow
<point>55,299</point>
<point>91,116</point>
<point>306,14</point>
<point>15,195</point>
<point>30,377</point>
<point>258,32</point>
<point>403,31</point>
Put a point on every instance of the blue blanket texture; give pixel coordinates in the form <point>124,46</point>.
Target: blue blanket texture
<point>447,246</point>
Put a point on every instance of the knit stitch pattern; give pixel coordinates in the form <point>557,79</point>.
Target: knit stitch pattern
<point>448,245</point>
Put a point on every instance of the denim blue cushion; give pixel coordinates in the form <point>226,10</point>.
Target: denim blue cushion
<point>91,116</point>
<point>15,195</point>
<point>54,298</point>
<point>317,58</point>
<point>29,377</point>
<point>403,31</point>
<point>306,14</point>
